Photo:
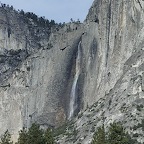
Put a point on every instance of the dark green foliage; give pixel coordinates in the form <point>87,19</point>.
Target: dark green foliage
<point>21,12</point>
<point>139,107</point>
<point>49,46</point>
<point>48,136</point>
<point>60,130</point>
<point>40,21</point>
<point>99,136</point>
<point>35,135</point>
<point>142,124</point>
<point>6,138</point>
<point>135,135</point>
<point>23,137</point>
<point>30,16</point>
<point>116,135</point>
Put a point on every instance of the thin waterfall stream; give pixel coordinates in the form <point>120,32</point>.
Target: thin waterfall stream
<point>73,95</point>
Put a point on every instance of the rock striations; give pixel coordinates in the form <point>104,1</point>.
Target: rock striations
<point>97,64</point>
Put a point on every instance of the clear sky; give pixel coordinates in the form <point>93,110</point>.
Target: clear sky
<point>59,10</point>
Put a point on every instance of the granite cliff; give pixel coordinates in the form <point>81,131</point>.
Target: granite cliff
<point>94,68</point>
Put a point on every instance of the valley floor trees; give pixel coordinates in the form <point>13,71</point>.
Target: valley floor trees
<point>34,135</point>
<point>116,134</point>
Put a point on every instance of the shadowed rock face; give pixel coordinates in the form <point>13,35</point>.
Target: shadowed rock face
<point>36,80</point>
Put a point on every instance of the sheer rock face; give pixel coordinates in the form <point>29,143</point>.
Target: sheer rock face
<point>37,69</point>
<point>116,28</point>
<point>113,52</point>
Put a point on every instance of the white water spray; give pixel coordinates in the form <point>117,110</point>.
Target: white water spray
<point>73,95</point>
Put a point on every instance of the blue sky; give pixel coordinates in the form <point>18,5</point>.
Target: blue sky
<point>59,10</point>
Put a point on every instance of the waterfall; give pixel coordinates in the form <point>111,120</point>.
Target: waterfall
<point>73,95</point>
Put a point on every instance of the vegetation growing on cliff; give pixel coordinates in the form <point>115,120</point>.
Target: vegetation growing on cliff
<point>99,136</point>
<point>6,138</point>
<point>116,134</point>
<point>28,16</point>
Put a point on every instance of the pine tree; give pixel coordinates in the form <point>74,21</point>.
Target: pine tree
<point>6,138</point>
<point>23,137</point>
<point>117,135</point>
<point>35,135</point>
<point>99,136</point>
<point>48,137</point>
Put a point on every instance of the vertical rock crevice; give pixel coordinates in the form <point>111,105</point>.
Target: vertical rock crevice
<point>108,28</point>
